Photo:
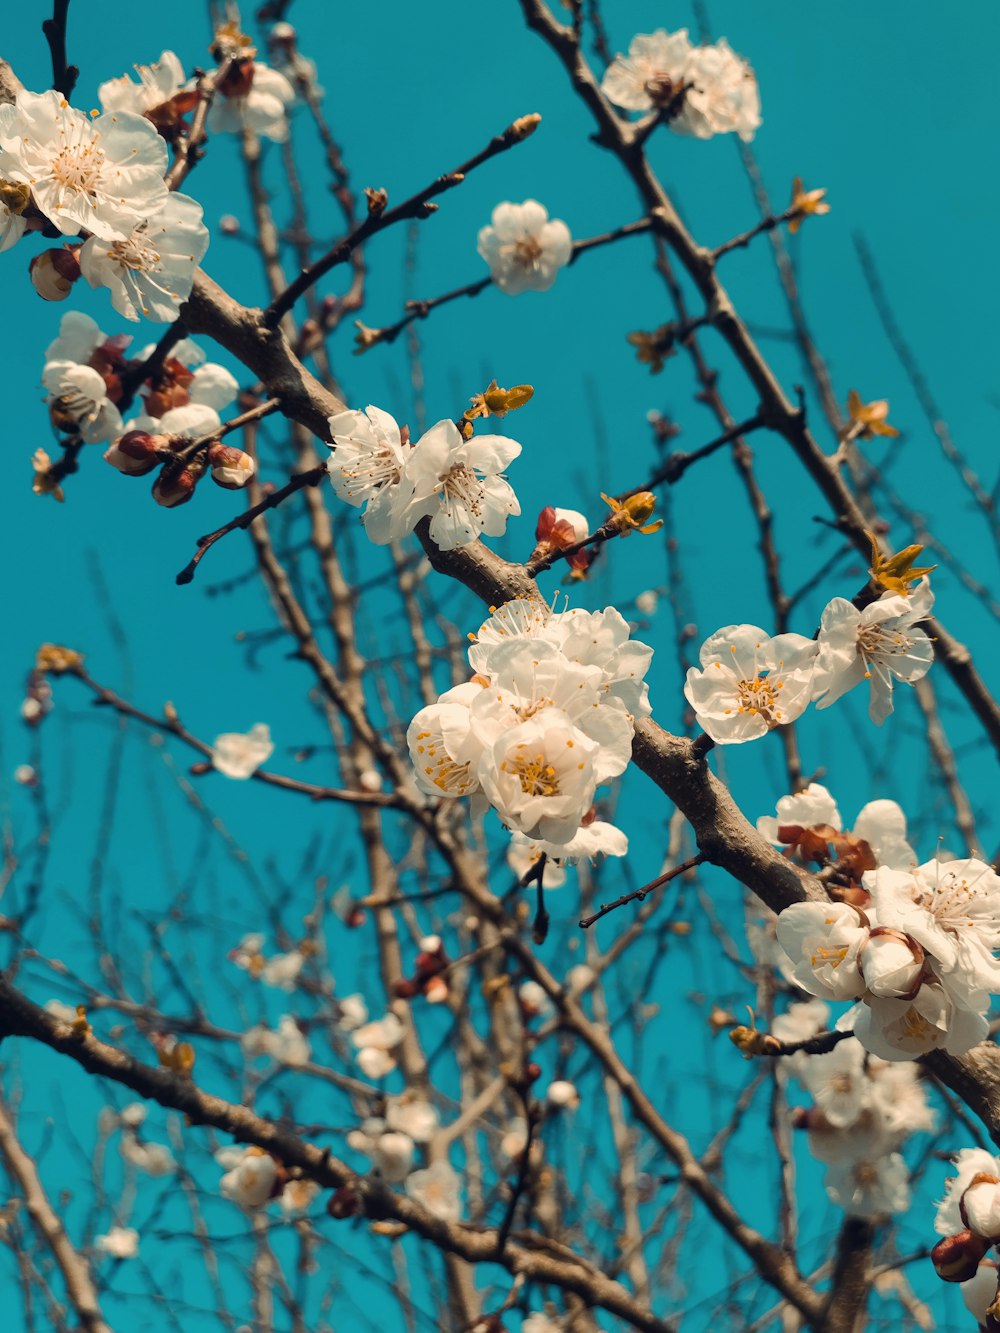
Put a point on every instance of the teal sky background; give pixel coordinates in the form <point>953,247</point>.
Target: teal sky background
<point>885,105</point>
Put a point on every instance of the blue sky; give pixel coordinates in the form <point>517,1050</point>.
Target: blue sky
<point>883,105</point>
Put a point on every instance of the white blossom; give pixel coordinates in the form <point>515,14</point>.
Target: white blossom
<point>652,72</point>
<point>870,1188</point>
<point>891,964</point>
<point>839,1083</point>
<point>282,969</point>
<point>562,1094</point>
<point>80,393</point>
<point>413,1115</point>
<point>970,1162</point>
<point>880,644</point>
<point>151,271</point>
<point>523,855</point>
<point>287,1043</point>
<point>823,941</point>
<point>250,1178</point>
<point>366,466</point>
<point>296,1198</point>
<point>457,483</point>
<point>263,110</point>
<point>723,96</point>
<point>882,825</point>
<point>392,1156</point>
<point>352,1012</point>
<point>444,749</point>
<point>981,1202</point>
<point>191,421</point>
<point>158,84</point>
<point>807,808</point>
<point>103,175</point>
<point>119,1242</point>
<point>749,683</point>
<point>903,1029</point>
<point>436,1188</point>
<point>524,249</point>
<point>155,1159</point>
<point>239,755</point>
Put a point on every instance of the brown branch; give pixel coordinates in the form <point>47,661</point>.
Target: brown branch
<point>64,76</point>
<point>640,895</point>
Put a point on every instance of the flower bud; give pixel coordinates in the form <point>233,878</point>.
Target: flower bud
<point>53,273</point>
<point>404,988</point>
<point>136,452</point>
<point>525,125</point>
<point>344,1202</point>
<point>956,1258</point>
<point>173,488</point>
<point>436,990</point>
<point>562,1094</point>
<point>231,468</point>
<point>891,963</point>
<point>980,1206</point>
<point>229,225</point>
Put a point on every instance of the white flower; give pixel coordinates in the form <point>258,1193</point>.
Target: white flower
<point>533,999</point>
<point>904,1029</point>
<point>540,1323</point>
<point>979,1293</point>
<point>192,421</point>
<point>282,969</point>
<point>749,683</point>
<point>392,1157</point>
<point>952,909</point>
<point>515,1138</point>
<point>412,1115</point>
<point>366,465</point>
<point>899,1098</point>
<point>457,483</point>
<point>120,1242</point>
<point>158,84</point>
<point>970,1162</point>
<point>103,176</point>
<point>263,110</point>
<point>651,73</point>
<point>133,1115</point>
<point>239,755</point>
<point>891,964</point>
<point>523,248</point>
<point>807,808</point>
<point>251,1176</point>
<point>65,1013</point>
<point>540,776</point>
<point>839,1083</point>
<point>602,639</point>
<point>155,1159</point>
<point>353,1011</point>
<point>385,1034</point>
<point>151,272</point>
<point>823,940</point>
<point>868,1189</point>
<point>798,1023</point>
<point>287,1044</point>
<point>375,1063</point>
<point>879,644</point>
<point>561,1093</point>
<point>647,602</point>
<point>723,96</point>
<point>444,750</point>
<point>982,1208</point>
<point>523,618</point>
<point>436,1188</point>
<point>247,953</point>
<point>80,394</point>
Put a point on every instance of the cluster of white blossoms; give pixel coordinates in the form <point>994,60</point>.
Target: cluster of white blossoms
<point>280,970</point>
<point>862,1110</point>
<point>524,249</point>
<point>99,179</point>
<point>547,717</point>
<point>705,90</point>
<point>968,1217</point>
<point>914,945</point>
<point>455,482</point>
<point>748,683</point>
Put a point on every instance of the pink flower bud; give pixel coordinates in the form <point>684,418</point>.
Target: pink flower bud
<point>53,273</point>
<point>172,488</point>
<point>135,452</point>
<point>231,468</point>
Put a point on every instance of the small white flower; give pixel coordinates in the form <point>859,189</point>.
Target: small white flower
<point>80,393</point>
<point>263,110</point>
<point>412,1115</point>
<point>119,1242</point>
<point>652,72</point>
<point>192,421</point>
<point>287,1044</point>
<point>749,683</point>
<point>458,484</point>
<point>151,272</point>
<point>540,776</point>
<point>534,1000</point>
<point>839,1083</point>
<point>158,84</point>
<point>869,1189</point>
<point>904,1029</point>
<point>723,96</point>
<point>296,1198</point>
<point>647,602</point>
<point>392,1157</point>
<point>515,1139</point>
<point>891,963</point>
<point>524,250</point>
<point>239,755</point>
<point>385,1034</point>
<point>375,1063</point>
<point>880,644</point>
<point>251,1176</point>
<point>353,1011</point>
<point>562,1094</point>
<point>882,825</point>
<point>437,1188</point>
<point>823,940</point>
<point>133,1115</point>
<point>282,970</point>
<point>155,1159</point>
<point>366,466</point>
<point>103,176</point>
<point>444,749</point>
<point>970,1162</point>
<point>807,808</point>
<point>799,1022</point>
<point>982,1207</point>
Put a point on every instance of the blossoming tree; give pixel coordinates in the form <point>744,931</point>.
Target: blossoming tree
<point>437,1073</point>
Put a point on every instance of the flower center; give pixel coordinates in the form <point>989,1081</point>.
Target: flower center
<point>822,956</point>
<point>373,470</point>
<point>760,695</point>
<point>913,1024</point>
<point>137,252</point>
<point>876,641</point>
<point>461,486</point>
<point>440,768</point>
<point>528,252</point>
<point>535,774</point>
<point>78,168</point>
